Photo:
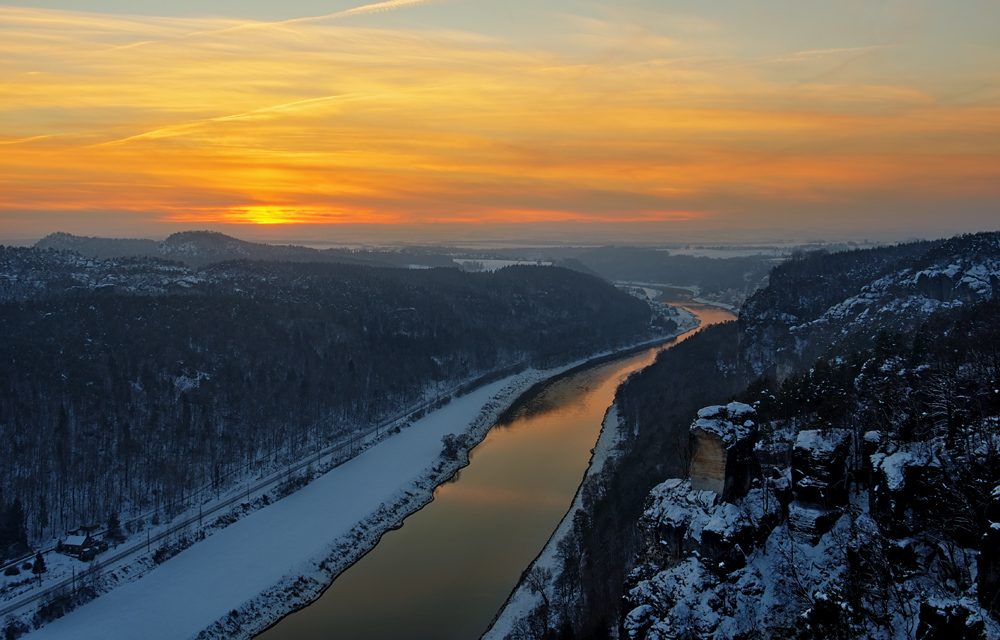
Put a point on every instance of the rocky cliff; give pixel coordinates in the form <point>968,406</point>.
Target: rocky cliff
<point>868,505</point>
<point>820,299</point>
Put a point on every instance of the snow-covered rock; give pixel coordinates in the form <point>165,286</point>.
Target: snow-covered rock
<point>988,575</point>
<point>682,521</point>
<point>903,478</point>
<point>825,298</point>
<point>820,466</point>
<point>722,445</point>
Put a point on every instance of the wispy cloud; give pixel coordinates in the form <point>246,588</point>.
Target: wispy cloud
<point>363,10</point>
<point>320,121</point>
<point>28,139</point>
<point>800,56</point>
<point>263,112</point>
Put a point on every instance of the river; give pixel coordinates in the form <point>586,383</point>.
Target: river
<point>448,570</point>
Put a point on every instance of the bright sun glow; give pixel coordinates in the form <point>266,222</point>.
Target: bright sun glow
<point>186,120</point>
<point>271,215</point>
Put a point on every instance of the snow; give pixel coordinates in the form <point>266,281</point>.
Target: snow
<point>187,383</point>
<point>731,422</point>
<point>894,466</point>
<point>903,293</point>
<point>262,567</point>
<point>686,321</point>
<point>190,591</point>
<point>689,588</point>
<point>675,504</point>
<point>826,441</point>
<point>687,596</point>
<point>75,541</point>
<point>953,270</point>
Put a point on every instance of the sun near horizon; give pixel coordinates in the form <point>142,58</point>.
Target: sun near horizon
<point>465,120</point>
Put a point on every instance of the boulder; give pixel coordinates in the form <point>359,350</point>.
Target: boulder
<point>681,521</point>
<point>950,622</point>
<point>903,483</point>
<point>988,576</point>
<point>820,473</point>
<point>811,520</point>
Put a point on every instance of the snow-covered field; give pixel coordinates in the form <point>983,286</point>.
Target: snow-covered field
<point>242,578</point>
<point>723,252</point>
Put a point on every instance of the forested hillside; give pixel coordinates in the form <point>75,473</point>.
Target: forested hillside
<point>724,279</point>
<point>200,248</point>
<point>821,297</point>
<point>129,384</point>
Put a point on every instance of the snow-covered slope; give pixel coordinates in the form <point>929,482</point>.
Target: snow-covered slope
<point>876,510</point>
<point>819,299</point>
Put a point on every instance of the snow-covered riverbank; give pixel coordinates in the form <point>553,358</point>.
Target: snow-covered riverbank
<point>242,578</point>
<point>238,581</point>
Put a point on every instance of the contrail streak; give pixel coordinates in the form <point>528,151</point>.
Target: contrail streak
<point>30,139</point>
<point>180,129</point>
<point>378,7</point>
<point>816,53</point>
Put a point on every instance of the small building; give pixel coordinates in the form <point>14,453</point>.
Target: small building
<point>75,545</point>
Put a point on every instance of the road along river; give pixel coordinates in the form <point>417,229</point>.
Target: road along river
<point>447,571</point>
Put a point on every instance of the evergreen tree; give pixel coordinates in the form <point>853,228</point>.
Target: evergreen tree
<point>39,568</point>
<point>13,532</point>
<point>114,527</point>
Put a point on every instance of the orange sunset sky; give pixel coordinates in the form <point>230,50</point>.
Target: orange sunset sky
<point>477,121</point>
